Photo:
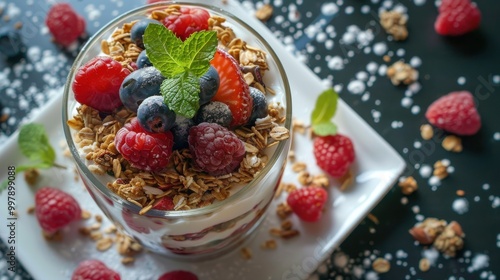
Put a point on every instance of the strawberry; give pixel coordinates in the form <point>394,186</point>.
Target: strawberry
<point>55,209</point>
<point>334,154</point>
<point>188,21</point>
<point>178,275</point>
<point>233,90</point>
<point>165,203</point>
<point>94,270</point>
<point>457,17</point>
<point>455,113</point>
<point>307,202</point>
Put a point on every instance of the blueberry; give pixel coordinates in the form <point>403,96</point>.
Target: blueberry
<point>259,109</point>
<point>139,85</point>
<point>143,60</point>
<point>214,112</point>
<point>138,29</point>
<point>154,115</point>
<point>209,84</point>
<point>180,130</point>
<point>11,44</point>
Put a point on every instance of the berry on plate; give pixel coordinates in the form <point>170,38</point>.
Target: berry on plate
<point>215,149</point>
<point>178,275</point>
<point>144,150</point>
<point>233,90</point>
<point>97,83</point>
<point>188,21</point>
<point>308,202</point>
<point>334,154</point>
<point>455,113</point>
<point>64,24</point>
<point>55,209</point>
<point>94,270</point>
<point>457,17</point>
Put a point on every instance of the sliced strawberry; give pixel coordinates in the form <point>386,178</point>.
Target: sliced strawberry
<point>233,90</point>
<point>165,203</point>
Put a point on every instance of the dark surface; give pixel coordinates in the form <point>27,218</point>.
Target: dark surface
<point>474,56</point>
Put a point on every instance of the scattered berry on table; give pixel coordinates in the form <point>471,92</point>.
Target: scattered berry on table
<point>154,115</point>
<point>457,17</point>
<point>307,202</point>
<point>164,203</point>
<point>209,84</point>
<point>139,85</point>
<point>143,60</point>
<point>94,270</point>
<point>11,44</point>
<point>455,113</point>
<point>178,275</point>
<point>137,30</point>
<point>64,24</point>
<point>97,83</point>
<point>188,21</point>
<point>214,112</point>
<point>55,209</point>
<point>180,130</point>
<point>233,90</point>
<point>334,154</point>
<point>144,150</point>
<point>259,109</point>
<point>215,149</point>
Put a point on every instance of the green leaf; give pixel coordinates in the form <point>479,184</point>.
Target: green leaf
<point>181,94</point>
<point>325,108</point>
<point>164,50</point>
<point>199,49</point>
<point>34,144</point>
<point>325,128</point>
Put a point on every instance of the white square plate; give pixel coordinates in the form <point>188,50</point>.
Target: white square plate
<point>377,168</point>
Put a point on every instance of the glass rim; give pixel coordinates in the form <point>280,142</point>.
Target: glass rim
<point>154,213</point>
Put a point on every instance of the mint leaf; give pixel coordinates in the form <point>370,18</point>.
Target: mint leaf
<point>324,110</point>
<point>164,50</point>
<point>199,49</point>
<point>181,94</point>
<point>34,144</point>
<point>325,128</point>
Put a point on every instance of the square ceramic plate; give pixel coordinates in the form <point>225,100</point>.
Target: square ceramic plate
<point>377,168</point>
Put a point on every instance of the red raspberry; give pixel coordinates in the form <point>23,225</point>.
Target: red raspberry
<point>215,149</point>
<point>307,202</point>
<point>190,20</point>
<point>455,113</point>
<point>334,154</point>
<point>97,83</point>
<point>55,209</point>
<point>457,17</point>
<point>64,24</point>
<point>94,270</point>
<point>144,150</point>
<point>178,275</point>
<point>165,203</point>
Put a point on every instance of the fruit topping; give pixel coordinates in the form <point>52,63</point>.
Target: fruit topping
<point>457,17</point>
<point>165,203</point>
<point>64,24</point>
<point>259,101</point>
<point>139,85</point>
<point>215,149</point>
<point>144,150</point>
<point>307,202</point>
<point>214,112</point>
<point>137,31</point>
<point>334,154</point>
<point>97,83</point>
<point>143,60</point>
<point>178,275</point>
<point>209,84</point>
<point>55,209</point>
<point>94,270</point>
<point>154,115</point>
<point>187,21</point>
<point>233,90</point>
<point>455,113</point>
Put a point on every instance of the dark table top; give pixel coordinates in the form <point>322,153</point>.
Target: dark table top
<point>469,62</point>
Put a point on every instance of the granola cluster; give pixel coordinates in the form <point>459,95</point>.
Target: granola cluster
<point>445,237</point>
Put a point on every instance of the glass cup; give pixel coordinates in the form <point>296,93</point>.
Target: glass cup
<point>195,233</point>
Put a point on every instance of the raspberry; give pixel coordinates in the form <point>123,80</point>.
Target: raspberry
<point>178,275</point>
<point>189,20</point>
<point>455,113</point>
<point>97,83</point>
<point>55,209</point>
<point>215,149</point>
<point>457,17</point>
<point>94,270</point>
<point>64,24</point>
<point>164,203</point>
<point>307,202</point>
<point>144,150</point>
<point>334,154</point>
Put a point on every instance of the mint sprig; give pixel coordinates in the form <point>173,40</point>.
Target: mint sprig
<point>181,63</point>
<point>324,110</point>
